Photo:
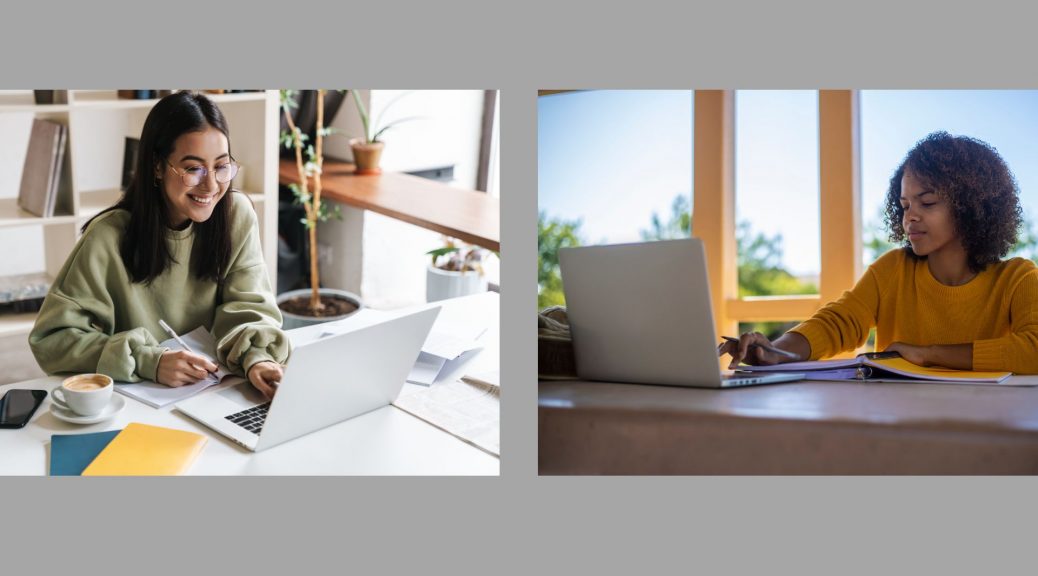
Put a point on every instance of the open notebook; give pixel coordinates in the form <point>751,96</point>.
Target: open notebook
<point>158,395</point>
<point>880,366</point>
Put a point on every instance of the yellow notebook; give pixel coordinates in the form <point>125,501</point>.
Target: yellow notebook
<point>142,450</point>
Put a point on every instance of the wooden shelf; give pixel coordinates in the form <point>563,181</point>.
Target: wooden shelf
<point>92,203</point>
<point>468,215</point>
<point>11,215</point>
<point>110,99</point>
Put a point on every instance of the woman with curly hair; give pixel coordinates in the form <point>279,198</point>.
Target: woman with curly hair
<point>945,297</point>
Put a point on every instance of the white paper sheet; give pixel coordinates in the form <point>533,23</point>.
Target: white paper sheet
<point>159,395</point>
<point>470,412</point>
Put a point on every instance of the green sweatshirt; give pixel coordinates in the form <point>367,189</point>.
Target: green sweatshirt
<point>95,319</point>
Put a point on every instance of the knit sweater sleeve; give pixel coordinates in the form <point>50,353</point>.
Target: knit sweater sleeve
<point>844,325</point>
<point>247,324</point>
<point>74,330</point>
<point>1017,351</point>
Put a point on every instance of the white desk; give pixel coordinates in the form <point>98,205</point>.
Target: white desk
<point>387,441</point>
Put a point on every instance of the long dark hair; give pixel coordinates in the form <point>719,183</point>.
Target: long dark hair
<point>144,249</point>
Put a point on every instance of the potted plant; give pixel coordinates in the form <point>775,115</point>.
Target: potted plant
<point>456,270</point>
<point>316,305</point>
<point>367,151</point>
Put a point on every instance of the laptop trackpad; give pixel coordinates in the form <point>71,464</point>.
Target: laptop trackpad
<point>244,395</point>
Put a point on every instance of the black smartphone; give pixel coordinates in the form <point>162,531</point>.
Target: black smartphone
<point>18,406</point>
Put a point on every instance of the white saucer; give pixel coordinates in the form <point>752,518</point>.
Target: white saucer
<point>115,406</point>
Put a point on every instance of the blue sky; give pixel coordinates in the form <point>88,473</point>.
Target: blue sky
<point>612,158</point>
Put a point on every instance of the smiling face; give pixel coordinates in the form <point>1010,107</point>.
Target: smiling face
<point>193,152</point>
<point>928,221</point>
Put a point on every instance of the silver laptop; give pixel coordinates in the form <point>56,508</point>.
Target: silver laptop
<point>641,313</point>
<point>328,380</point>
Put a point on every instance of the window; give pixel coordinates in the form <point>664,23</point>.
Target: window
<point>776,192</point>
<point>613,166</point>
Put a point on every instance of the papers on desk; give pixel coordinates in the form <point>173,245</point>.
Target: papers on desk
<point>441,356</point>
<point>159,395</point>
<point>447,348</point>
<point>469,412</point>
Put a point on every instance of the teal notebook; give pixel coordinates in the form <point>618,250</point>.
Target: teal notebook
<point>70,454</point>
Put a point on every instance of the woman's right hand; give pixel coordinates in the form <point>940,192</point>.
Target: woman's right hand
<point>180,367</point>
<point>743,351</point>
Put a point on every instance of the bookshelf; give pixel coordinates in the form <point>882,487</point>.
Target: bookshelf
<point>98,123</point>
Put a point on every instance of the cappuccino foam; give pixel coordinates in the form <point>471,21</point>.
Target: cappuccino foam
<point>85,385</point>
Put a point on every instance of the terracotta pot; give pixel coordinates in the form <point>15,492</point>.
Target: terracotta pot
<point>366,155</point>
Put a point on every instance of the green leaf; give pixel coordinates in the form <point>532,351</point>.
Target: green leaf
<point>394,123</point>
<point>442,251</point>
<point>363,115</point>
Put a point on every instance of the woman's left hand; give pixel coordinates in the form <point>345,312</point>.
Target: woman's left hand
<point>266,376</point>
<point>918,355</point>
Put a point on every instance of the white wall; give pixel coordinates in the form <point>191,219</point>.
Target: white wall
<point>27,257</point>
<point>391,270</point>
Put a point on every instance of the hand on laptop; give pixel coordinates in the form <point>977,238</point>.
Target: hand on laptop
<point>266,376</point>
<point>755,349</point>
<point>179,367</point>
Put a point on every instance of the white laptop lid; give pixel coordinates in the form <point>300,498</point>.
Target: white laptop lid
<point>327,381</point>
<point>339,377</point>
<point>641,313</point>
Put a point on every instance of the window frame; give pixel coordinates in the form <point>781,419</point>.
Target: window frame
<point>713,214</point>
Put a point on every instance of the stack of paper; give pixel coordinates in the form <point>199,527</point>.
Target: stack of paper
<point>159,395</point>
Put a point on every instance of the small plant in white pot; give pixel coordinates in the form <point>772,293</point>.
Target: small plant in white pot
<point>456,270</point>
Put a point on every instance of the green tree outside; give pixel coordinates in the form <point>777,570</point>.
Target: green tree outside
<point>552,234</point>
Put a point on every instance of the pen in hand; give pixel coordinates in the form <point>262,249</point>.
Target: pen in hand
<point>179,341</point>
<point>779,351</point>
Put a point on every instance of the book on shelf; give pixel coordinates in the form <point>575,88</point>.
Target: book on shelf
<point>42,170</point>
<point>137,94</point>
<point>50,96</point>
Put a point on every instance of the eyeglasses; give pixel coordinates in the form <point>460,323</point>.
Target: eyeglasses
<point>194,175</point>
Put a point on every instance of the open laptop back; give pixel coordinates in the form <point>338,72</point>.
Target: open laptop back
<point>327,381</point>
<point>641,313</point>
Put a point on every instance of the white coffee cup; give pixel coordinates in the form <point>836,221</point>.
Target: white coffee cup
<point>84,394</point>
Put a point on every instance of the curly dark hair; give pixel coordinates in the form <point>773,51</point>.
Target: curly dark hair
<point>976,181</point>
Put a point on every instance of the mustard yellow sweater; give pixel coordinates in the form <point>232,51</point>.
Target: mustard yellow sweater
<point>996,311</point>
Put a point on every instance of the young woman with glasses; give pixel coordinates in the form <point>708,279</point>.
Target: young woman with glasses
<point>180,246</point>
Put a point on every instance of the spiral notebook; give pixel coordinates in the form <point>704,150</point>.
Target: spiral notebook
<point>877,366</point>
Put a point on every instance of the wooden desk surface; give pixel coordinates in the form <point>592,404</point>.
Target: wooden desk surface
<point>797,428</point>
<point>471,216</point>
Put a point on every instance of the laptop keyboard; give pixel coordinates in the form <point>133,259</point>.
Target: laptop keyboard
<point>251,419</point>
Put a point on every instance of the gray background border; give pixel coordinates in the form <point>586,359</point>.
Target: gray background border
<point>519,522</point>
